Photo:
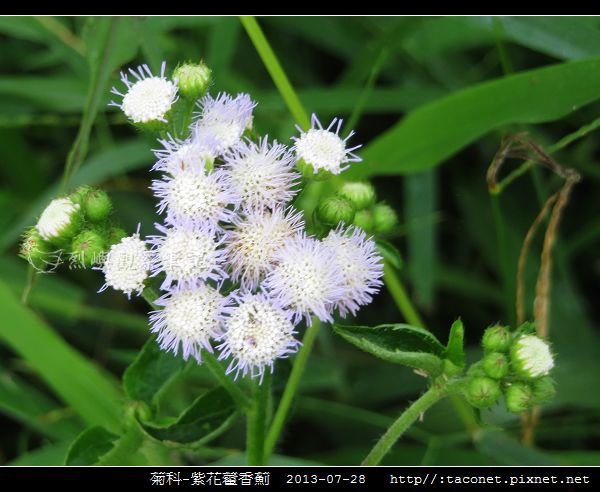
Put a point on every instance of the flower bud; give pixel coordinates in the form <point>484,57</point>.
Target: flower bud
<point>482,392</point>
<point>335,209</point>
<point>78,196</point>
<point>495,365</point>
<point>193,79</point>
<point>60,221</point>
<point>98,206</point>
<point>114,235</point>
<point>35,250</point>
<point>544,390</point>
<point>531,357</point>
<point>496,339</point>
<point>360,193</point>
<point>519,397</point>
<point>308,171</point>
<point>364,220</point>
<point>87,248</point>
<point>384,218</point>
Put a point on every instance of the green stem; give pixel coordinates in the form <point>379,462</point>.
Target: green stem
<point>290,389</point>
<point>398,292</point>
<point>273,66</point>
<point>226,381</point>
<point>402,423</point>
<point>257,422</point>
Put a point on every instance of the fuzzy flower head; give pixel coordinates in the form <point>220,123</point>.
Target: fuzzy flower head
<point>223,119</point>
<point>148,97</point>
<point>191,154</point>
<point>262,175</point>
<point>59,221</point>
<point>323,148</point>
<point>190,318</point>
<point>531,357</point>
<point>360,265</point>
<point>257,332</point>
<point>187,256</point>
<point>255,240</point>
<point>305,279</point>
<point>126,265</point>
<point>197,197</point>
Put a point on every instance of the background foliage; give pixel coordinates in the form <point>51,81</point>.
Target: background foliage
<point>431,99</point>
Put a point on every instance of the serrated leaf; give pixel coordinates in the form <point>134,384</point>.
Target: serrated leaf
<point>398,343</point>
<point>90,446</point>
<point>455,351</point>
<point>150,372</point>
<point>211,414</point>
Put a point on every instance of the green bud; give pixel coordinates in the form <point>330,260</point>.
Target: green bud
<point>384,218</point>
<point>482,392</point>
<point>193,79</point>
<point>78,196</point>
<point>531,357</point>
<point>60,221</point>
<point>114,235</point>
<point>35,250</point>
<point>308,171</point>
<point>360,193</point>
<point>364,220</point>
<point>495,365</point>
<point>476,369</point>
<point>519,397</point>
<point>335,209</point>
<point>496,339</point>
<point>97,205</point>
<point>544,390</point>
<point>87,248</point>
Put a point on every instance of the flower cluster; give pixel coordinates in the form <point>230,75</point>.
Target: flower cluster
<point>237,267</point>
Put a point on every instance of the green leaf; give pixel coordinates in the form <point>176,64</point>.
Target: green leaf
<point>62,94</point>
<point>90,446</point>
<point>455,351</point>
<point>390,253</point>
<point>434,132</point>
<point>399,343</point>
<point>49,455</point>
<point>151,371</point>
<point>211,414</point>
<point>90,392</point>
<point>508,451</point>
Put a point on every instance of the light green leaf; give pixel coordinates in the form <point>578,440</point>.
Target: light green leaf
<point>210,415</point>
<point>401,344</point>
<point>49,455</point>
<point>62,94</point>
<point>90,446</point>
<point>434,132</point>
<point>151,372</point>
<point>455,351</point>
<point>90,392</point>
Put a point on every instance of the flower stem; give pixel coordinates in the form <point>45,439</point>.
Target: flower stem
<point>239,397</point>
<point>402,423</point>
<point>398,292</point>
<point>257,422</point>
<point>291,387</point>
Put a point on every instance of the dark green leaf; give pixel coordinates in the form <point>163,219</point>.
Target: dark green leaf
<point>455,351</point>
<point>90,446</point>
<point>402,344</point>
<point>434,132</point>
<point>390,253</point>
<point>210,415</point>
<point>150,372</point>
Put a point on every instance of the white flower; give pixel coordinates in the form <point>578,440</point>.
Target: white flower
<point>177,155</point>
<point>187,256</point>
<point>58,220</point>
<point>257,332</point>
<point>360,265</point>
<point>531,357</point>
<point>323,148</point>
<point>223,119</point>
<point>256,239</point>
<point>262,175</point>
<point>148,98</point>
<point>126,265</point>
<point>305,279</point>
<point>196,196</point>
<point>190,319</point>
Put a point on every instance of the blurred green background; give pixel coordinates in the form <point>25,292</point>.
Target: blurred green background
<point>430,99</point>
